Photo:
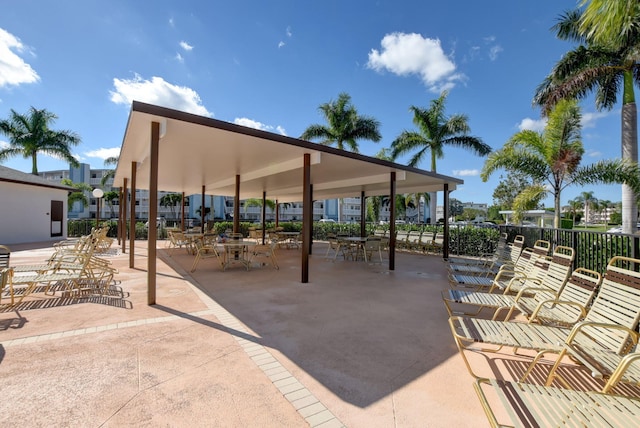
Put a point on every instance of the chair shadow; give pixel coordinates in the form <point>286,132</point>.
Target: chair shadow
<point>577,376</point>
<point>113,295</point>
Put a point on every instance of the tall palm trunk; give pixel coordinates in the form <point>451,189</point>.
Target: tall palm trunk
<point>630,152</point>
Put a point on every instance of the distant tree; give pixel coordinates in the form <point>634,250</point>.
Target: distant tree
<point>113,160</point>
<point>435,131</point>
<point>469,214</point>
<point>589,202</point>
<point>79,195</point>
<point>455,207</point>
<point>604,205</point>
<point>29,134</point>
<point>256,202</point>
<point>509,188</point>
<point>615,218</point>
<point>573,207</point>
<point>493,213</point>
<point>171,200</point>
<point>109,197</point>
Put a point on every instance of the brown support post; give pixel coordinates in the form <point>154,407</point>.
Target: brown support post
<point>123,215</point>
<point>118,226</point>
<point>445,244</point>
<point>307,216</point>
<point>311,222</point>
<point>363,215</point>
<point>132,215</point>
<point>392,222</point>
<point>153,213</point>
<point>264,215</point>
<point>277,213</point>
<point>202,210</point>
<point>182,213</point>
<point>236,207</point>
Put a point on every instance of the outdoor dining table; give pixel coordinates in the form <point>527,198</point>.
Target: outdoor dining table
<point>289,239</point>
<point>346,243</point>
<point>236,251</point>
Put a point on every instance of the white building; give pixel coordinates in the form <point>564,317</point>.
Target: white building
<point>32,209</point>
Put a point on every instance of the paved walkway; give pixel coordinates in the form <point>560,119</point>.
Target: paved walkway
<point>359,346</point>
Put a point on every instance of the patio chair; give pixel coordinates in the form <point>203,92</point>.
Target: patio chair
<point>332,247</point>
<point>5,254</point>
<point>542,406</point>
<point>546,284</point>
<point>177,239</point>
<point>265,254</point>
<point>401,239</point>
<point>413,240</point>
<point>608,327</point>
<point>523,267</point>
<point>73,274</point>
<point>203,251</point>
<point>5,281</point>
<point>437,244</point>
<point>371,246</point>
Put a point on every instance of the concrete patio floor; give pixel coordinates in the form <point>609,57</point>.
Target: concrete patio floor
<point>358,346</point>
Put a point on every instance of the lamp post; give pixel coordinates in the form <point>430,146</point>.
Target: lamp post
<point>98,194</point>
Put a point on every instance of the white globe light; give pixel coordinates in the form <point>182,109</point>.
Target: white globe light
<point>98,193</point>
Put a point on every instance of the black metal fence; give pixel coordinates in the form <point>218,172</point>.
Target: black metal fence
<point>593,249</point>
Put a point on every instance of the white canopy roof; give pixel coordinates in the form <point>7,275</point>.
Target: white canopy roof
<point>196,151</point>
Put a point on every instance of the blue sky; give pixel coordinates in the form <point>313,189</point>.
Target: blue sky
<point>270,64</point>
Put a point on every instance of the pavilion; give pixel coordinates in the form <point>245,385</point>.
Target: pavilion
<point>175,151</point>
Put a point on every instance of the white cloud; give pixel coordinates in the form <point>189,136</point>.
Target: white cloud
<point>532,124</point>
<point>157,91</point>
<point>179,57</point>
<point>103,153</point>
<point>4,144</point>
<point>13,69</point>
<point>589,119</point>
<point>186,46</point>
<point>594,153</point>
<point>250,123</point>
<point>494,51</point>
<point>281,44</point>
<point>171,22</point>
<point>405,54</point>
<point>466,172</point>
<point>289,33</point>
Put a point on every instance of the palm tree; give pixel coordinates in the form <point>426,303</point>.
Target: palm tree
<point>574,205</point>
<point>345,125</point>
<point>605,63</point>
<point>30,134</point>
<point>255,202</point>
<point>553,157</point>
<point>109,197</point>
<point>436,130</point>
<point>113,160</point>
<point>589,201</point>
<point>79,194</point>
<point>604,206</point>
<point>171,200</point>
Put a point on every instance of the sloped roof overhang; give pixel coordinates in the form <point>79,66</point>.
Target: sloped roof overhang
<point>197,151</point>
